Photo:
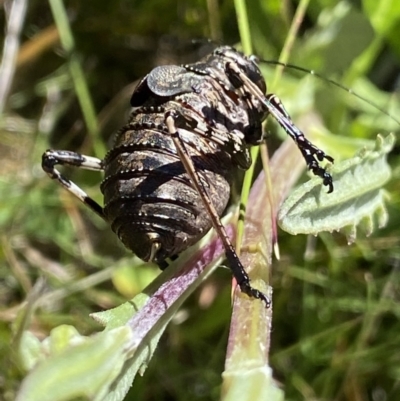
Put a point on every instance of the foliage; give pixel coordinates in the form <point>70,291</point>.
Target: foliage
<point>335,317</point>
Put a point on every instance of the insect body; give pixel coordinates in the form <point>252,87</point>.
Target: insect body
<point>167,178</point>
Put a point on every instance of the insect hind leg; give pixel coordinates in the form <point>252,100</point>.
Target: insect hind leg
<point>51,158</point>
<point>310,152</point>
<point>238,271</point>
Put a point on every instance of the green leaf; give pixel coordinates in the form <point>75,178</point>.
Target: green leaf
<point>356,197</point>
<point>31,351</point>
<point>78,366</point>
<point>384,14</point>
<point>149,313</point>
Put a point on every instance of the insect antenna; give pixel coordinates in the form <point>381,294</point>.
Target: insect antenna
<point>331,82</point>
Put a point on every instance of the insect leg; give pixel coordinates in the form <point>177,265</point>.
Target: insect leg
<point>310,152</point>
<point>236,266</point>
<point>51,158</point>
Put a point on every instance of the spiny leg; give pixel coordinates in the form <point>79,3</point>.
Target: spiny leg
<point>310,152</point>
<point>51,158</point>
<point>236,266</point>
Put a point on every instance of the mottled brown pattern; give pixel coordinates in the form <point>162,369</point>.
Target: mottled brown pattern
<point>146,190</point>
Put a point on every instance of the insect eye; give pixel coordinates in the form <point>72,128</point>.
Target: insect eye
<point>254,74</point>
<point>250,68</point>
<point>261,84</point>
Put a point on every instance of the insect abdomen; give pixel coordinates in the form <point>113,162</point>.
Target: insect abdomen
<point>148,196</point>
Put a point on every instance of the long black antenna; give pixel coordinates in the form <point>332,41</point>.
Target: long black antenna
<point>332,82</point>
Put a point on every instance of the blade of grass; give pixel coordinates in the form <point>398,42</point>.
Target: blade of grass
<point>244,26</point>
<point>290,39</point>
<point>78,77</point>
<point>10,49</point>
<point>214,18</point>
<point>244,29</point>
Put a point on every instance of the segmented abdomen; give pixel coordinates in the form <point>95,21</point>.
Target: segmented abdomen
<point>147,193</point>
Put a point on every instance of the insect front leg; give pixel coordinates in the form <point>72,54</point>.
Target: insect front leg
<point>51,158</point>
<point>310,152</point>
<point>235,264</point>
<point>274,106</point>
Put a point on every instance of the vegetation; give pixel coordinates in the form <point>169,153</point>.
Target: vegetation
<point>335,317</point>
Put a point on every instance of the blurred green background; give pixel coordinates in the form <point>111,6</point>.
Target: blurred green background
<point>335,332</point>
